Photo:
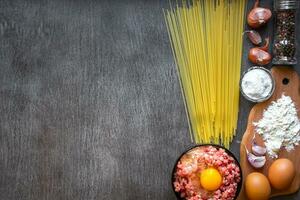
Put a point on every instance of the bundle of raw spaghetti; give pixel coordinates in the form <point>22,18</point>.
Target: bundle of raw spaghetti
<point>206,39</point>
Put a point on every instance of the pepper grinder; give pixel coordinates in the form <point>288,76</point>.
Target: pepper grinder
<point>284,48</point>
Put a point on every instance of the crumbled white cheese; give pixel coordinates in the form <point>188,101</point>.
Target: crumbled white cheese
<point>280,126</point>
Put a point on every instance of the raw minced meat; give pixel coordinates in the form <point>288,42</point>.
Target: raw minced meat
<point>187,181</point>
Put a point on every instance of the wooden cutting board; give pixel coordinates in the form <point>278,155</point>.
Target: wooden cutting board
<point>287,82</point>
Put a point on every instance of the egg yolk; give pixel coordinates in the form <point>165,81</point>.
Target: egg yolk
<point>210,179</point>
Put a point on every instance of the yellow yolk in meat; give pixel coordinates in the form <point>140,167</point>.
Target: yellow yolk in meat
<point>210,179</point>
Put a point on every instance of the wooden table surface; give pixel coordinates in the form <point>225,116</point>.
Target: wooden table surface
<point>90,101</point>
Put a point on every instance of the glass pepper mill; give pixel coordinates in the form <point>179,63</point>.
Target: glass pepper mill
<point>284,48</point>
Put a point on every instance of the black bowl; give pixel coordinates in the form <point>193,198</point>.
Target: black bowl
<point>239,186</point>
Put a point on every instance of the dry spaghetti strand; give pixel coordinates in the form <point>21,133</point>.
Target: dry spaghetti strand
<point>206,41</point>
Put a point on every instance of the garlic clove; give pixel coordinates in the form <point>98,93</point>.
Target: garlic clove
<point>255,161</point>
<point>257,149</point>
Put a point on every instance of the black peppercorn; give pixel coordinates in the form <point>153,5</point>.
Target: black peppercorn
<point>284,44</point>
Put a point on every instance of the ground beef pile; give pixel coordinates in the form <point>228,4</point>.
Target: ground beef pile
<point>187,181</point>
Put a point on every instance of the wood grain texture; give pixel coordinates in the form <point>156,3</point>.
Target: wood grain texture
<point>291,89</point>
<point>90,102</point>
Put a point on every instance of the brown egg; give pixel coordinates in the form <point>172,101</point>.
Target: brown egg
<point>281,173</point>
<point>257,186</point>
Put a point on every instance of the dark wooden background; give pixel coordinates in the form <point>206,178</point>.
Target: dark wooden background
<point>90,101</point>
